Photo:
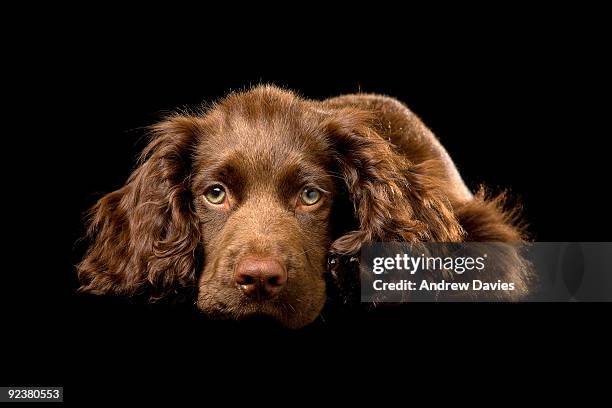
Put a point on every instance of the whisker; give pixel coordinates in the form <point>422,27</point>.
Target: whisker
<point>322,318</point>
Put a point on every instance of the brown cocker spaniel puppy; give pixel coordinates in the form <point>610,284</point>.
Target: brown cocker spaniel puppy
<point>246,202</point>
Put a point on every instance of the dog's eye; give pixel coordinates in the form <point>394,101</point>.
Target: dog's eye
<point>310,196</point>
<point>215,194</point>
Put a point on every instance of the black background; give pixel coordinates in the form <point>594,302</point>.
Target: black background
<point>518,107</point>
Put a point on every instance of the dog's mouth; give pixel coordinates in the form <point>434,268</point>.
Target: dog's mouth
<point>290,305</point>
<point>242,307</point>
<point>265,308</point>
<point>253,312</point>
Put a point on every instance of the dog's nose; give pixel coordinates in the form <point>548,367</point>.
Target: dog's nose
<point>260,278</point>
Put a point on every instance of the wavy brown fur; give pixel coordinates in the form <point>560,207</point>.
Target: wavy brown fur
<point>378,161</point>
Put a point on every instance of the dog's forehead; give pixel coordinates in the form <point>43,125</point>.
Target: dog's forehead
<point>264,147</point>
<point>265,137</point>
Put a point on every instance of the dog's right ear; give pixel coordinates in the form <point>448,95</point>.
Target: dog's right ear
<point>145,235</point>
<point>393,199</point>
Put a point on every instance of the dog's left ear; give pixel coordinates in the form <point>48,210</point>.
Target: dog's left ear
<point>144,236</point>
<point>394,199</point>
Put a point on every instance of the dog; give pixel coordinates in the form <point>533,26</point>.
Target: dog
<point>249,201</point>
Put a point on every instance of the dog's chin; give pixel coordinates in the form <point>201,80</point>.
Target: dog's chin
<point>263,314</point>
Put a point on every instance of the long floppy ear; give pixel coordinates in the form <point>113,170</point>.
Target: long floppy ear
<point>397,200</point>
<point>145,235</point>
<point>394,199</point>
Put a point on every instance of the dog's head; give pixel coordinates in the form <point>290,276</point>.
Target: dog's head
<point>246,201</point>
